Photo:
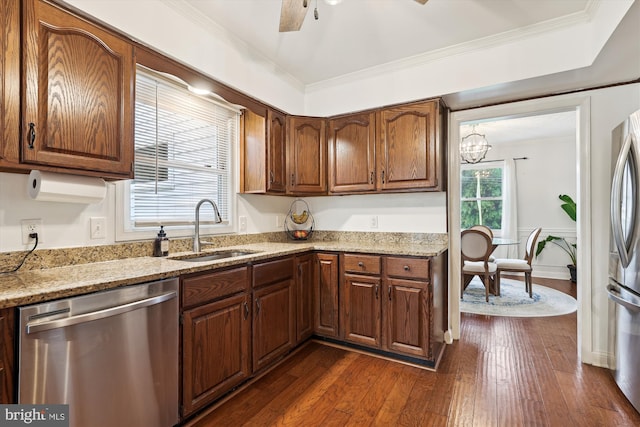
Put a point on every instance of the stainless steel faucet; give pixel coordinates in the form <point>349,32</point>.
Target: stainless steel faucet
<point>196,239</point>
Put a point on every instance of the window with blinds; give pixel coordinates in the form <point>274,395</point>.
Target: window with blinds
<point>183,154</point>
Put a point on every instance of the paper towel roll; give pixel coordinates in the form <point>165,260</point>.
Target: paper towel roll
<point>55,187</point>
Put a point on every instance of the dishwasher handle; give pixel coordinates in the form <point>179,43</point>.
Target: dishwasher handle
<point>99,314</point>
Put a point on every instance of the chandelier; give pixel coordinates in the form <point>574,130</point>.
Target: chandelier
<point>474,147</point>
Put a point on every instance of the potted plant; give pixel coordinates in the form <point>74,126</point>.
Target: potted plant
<point>569,206</point>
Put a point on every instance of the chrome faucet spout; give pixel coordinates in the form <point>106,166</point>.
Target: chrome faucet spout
<point>196,239</point>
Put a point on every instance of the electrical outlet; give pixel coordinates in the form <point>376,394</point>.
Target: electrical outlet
<point>98,227</point>
<point>279,221</point>
<point>373,221</point>
<point>242,220</point>
<point>31,226</point>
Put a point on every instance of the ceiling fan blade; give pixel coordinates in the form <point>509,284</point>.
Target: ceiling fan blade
<point>292,14</point>
<point>422,1</point>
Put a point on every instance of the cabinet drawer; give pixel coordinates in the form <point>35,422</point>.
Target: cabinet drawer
<point>367,264</point>
<point>272,271</point>
<point>200,288</point>
<point>410,268</point>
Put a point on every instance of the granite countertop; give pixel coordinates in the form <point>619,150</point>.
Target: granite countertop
<point>33,286</point>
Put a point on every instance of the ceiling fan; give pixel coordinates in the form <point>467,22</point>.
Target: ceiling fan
<point>293,12</point>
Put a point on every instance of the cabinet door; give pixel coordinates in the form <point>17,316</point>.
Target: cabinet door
<point>351,143</point>
<point>274,328</point>
<point>77,99</point>
<point>304,297</point>
<point>276,152</point>
<point>253,152</point>
<point>361,310</point>
<point>408,150</point>
<point>326,296</point>
<point>306,155</point>
<point>407,317</point>
<point>9,82</point>
<point>7,351</point>
<point>216,350</point>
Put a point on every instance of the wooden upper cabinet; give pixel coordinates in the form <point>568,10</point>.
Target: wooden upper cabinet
<point>306,155</point>
<point>9,81</point>
<point>276,152</point>
<point>77,95</point>
<point>409,149</point>
<point>351,145</point>
<point>263,153</point>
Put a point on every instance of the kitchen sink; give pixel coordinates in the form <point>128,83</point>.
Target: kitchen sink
<point>212,256</point>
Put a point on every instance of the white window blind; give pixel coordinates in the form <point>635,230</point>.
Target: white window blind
<point>183,148</point>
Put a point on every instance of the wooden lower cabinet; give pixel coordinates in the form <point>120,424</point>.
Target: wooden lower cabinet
<point>326,306</point>
<point>216,344</point>
<point>361,314</point>
<point>274,313</point>
<point>216,335</point>
<point>7,337</point>
<point>406,311</point>
<point>304,297</point>
<point>387,304</point>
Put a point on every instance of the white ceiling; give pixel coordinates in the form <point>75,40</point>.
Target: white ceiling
<point>531,128</point>
<point>356,35</point>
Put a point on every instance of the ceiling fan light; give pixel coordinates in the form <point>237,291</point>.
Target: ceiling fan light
<point>332,2</point>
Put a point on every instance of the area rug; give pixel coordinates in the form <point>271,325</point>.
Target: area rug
<point>515,302</point>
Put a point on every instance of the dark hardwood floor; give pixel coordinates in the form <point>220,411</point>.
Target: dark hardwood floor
<point>502,372</point>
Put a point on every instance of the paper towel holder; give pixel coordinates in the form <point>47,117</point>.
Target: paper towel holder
<point>57,187</point>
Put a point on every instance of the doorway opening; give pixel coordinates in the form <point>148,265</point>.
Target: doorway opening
<point>500,115</point>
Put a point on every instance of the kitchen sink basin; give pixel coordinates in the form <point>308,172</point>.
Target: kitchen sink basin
<point>212,256</point>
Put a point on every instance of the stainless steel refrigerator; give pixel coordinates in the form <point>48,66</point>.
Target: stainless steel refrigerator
<point>624,259</point>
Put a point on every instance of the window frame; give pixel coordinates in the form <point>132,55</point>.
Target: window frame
<point>124,231</point>
<point>480,166</point>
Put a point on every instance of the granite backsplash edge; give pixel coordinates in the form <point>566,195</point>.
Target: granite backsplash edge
<point>50,258</point>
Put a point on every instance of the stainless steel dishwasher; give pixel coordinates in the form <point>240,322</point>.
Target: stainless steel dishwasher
<point>112,356</point>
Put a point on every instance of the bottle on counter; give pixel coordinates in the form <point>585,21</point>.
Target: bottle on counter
<point>161,243</point>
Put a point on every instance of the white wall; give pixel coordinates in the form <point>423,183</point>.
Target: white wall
<point>541,178</point>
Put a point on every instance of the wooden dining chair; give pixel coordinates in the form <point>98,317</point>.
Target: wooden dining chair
<point>475,248</point>
<point>520,265</point>
<point>486,230</point>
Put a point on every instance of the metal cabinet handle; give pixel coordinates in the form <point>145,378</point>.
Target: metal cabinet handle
<point>383,177</point>
<point>360,264</point>
<point>407,268</point>
<point>293,180</point>
<point>371,179</point>
<point>31,137</point>
<point>257,305</point>
<point>246,310</point>
<point>377,288</point>
<point>271,178</point>
<point>389,293</point>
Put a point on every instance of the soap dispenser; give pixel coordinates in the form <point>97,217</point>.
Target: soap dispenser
<point>161,244</point>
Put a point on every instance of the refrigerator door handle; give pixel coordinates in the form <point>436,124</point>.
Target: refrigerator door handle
<point>616,202</point>
<point>615,296</point>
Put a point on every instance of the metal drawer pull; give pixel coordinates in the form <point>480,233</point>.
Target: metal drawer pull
<point>246,311</point>
<point>407,268</point>
<point>389,293</point>
<point>361,264</point>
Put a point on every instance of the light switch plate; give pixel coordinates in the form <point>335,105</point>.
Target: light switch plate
<point>242,220</point>
<point>98,226</point>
